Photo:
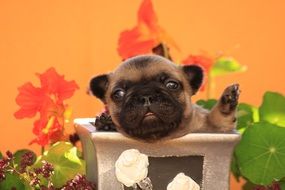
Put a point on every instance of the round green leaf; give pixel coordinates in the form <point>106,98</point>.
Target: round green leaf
<point>234,168</point>
<point>225,65</point>
<point>261,153</point>
<point>246,116</point>
<point>66,162</point>
<point>12,181</point>
<point>273,108</point>
<point>207,104</point>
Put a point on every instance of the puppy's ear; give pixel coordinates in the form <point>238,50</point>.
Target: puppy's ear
<point>194,75</point>
<point>98,86</point>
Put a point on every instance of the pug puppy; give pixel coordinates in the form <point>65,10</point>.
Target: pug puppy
<point>149,98</point>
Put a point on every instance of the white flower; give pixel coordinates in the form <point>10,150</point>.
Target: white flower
<point>182,182</point>
<point>131,167</point>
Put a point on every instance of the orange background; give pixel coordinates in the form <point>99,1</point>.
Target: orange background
<point>79,38</point>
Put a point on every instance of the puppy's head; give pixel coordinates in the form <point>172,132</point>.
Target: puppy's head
<point>148,97</point>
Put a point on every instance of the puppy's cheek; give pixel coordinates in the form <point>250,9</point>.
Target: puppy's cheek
<point>114,112</point>
<point>185,100</point>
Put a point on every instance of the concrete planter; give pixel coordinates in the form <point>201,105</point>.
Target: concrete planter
<point>202,156</point>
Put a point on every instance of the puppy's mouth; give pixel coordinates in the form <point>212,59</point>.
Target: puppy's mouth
<point>151,127</point>
<point>149,115</point>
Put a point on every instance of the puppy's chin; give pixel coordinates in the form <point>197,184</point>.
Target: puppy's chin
<point>150,127</point>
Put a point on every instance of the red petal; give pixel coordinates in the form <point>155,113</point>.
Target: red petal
<point>54,133</point>
<point>131,43</point>
<point>66,89</point>
<point>38,126</point>
<point>41,140</point>
<point>143,37</point>
<point>49,80</point>
<point>30,99</point>
<point>147,16</point>
<point>55,84</point>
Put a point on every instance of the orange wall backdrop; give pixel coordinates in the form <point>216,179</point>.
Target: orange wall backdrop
<point>79,38</point>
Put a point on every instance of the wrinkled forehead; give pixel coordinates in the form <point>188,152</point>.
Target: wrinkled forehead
<point>144,71</point>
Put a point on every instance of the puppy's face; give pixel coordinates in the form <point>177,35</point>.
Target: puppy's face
<point>148,97</point>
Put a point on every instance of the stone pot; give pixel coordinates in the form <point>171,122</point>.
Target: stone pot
<point>205,157</point>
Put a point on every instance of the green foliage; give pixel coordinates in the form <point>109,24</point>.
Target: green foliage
<point>1,156</point>
<point>260,153</point>
<point>207,104</point>
<point>282,185</point>
<point>272,109</point>
<point>246,116</point>
<point>248,186</point>
<point>12,181</point>
<point>66,162</point>
<point>235,168</point>
<point>259,157</point>
<point>225,65</point>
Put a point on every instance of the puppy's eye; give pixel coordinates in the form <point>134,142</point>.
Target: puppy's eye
<point>119,94</point>
<point>172,85</point>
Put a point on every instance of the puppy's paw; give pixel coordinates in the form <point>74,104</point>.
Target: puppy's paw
<point>229,99</point>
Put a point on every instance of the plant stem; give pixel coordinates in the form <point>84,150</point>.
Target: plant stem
<point>42,150</point>
<point>13,169</point>
<point>209,86</point>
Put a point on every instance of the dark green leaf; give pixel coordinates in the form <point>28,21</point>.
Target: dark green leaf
<point>235,168</point>
<point>207,104</point>
<point>1,156</point>
<point>18,156</point>
<point>248,186</point>
<point>225,65</point>
<point>261,153</point>
<point>246,116</point>
<point>66,162</point>
<point>273,108</point>
<point>12,181</point>
<point>282,185</point>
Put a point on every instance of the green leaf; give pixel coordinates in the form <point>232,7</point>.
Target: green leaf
<point>234,168</point>
<point>66,162</point>
<point>272,109</point>
<point>225,65</point>
<point>18,156</point>
<point>12,181</point>
<point>246,116</point>
<point>207,104</point>
<point>260,153</point>
<point>1,156</point>
<point>248,186</point>
<point>282,184</point>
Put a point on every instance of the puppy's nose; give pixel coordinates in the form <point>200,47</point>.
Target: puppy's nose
<point>146,100</point>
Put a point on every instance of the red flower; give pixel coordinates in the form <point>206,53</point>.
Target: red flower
<point>48,101</point>
<point>31,99</point>
<point>53,83</point>
<point>145,36</point>
<point>203,61</point>
<point>46,130</point>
